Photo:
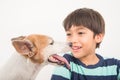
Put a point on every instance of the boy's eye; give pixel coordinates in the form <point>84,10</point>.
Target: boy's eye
<point>80,33</point>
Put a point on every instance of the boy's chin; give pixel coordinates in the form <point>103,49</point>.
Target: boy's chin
<point>78,56</point>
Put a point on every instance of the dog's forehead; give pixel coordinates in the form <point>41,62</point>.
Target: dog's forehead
<point>39,37</point>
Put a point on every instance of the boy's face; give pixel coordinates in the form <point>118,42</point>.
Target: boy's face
<point>83,41</point>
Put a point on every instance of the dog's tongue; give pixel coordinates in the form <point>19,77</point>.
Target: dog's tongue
<point>59,60</point>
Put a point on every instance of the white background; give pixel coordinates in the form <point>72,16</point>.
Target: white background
<point>24,17</point>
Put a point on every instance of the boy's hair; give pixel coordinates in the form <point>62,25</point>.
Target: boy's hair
<point>88,18</point>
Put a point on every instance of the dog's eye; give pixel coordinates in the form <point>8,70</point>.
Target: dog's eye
<point>52,42</point>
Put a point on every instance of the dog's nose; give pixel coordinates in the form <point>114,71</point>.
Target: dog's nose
<point>70,44</point>
<point>52,42</point>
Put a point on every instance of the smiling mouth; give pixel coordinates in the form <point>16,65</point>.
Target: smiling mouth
<point>59,60</point>
<point>76,48</point>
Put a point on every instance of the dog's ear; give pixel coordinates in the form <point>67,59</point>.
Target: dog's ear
<point>23,46</point>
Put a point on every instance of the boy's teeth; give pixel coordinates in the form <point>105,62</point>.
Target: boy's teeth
<point>75,47</point>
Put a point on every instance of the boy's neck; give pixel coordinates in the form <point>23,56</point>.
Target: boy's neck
<point>90,60</point>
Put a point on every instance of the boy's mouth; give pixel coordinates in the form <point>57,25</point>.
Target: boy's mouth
<point>76,48</point>
<point>59,60</point>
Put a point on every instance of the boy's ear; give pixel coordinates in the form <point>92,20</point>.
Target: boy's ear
<point>99,37</point>
<point>23,47</point>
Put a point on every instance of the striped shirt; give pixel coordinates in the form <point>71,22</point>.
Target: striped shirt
<point>105,69</point>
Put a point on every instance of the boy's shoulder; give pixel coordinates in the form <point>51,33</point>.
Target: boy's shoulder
<point>109,61</point>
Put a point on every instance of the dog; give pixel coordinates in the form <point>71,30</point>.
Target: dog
<point>32,53</point>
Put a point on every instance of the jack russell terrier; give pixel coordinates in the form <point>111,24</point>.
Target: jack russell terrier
<point>35,51</point>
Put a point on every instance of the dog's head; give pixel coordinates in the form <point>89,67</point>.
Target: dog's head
<point>39,48</point>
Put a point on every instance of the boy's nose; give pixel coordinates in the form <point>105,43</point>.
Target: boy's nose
<point>74,39</point>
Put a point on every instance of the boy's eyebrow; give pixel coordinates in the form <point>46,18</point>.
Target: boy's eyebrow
<point>81,28</point>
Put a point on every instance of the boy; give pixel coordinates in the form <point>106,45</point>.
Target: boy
<point>85,29</point>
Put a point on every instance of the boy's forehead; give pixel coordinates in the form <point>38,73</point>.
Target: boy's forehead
<point>77,28</point>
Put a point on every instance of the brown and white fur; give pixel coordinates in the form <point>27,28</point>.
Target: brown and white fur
<point>34,51</point>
